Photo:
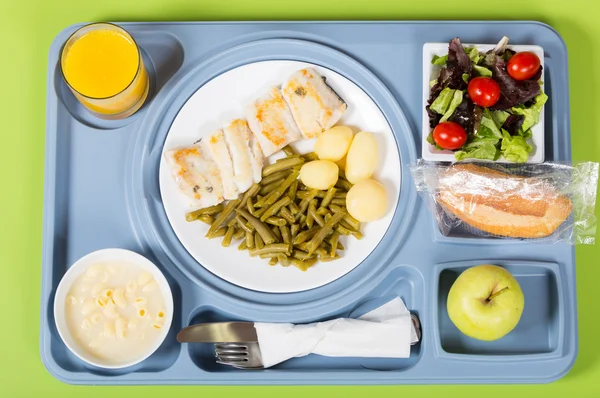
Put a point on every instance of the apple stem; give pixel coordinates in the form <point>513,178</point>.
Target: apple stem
<point>499,292</point>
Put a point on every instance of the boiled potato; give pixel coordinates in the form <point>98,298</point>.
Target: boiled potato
<point>319,174</point>
<point>367,200</point>
<point>333,144</point>
<point>362,157</point>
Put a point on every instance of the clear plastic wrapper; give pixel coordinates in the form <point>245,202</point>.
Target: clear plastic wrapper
<point>546,202</point>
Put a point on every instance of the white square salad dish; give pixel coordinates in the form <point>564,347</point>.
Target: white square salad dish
<point>431,71</point>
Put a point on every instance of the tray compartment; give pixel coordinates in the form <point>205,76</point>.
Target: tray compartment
<point>541,324</point>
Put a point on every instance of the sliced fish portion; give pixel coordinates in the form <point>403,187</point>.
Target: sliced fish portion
<point>196,175</point>
<point>216,147</point>
<point>315,106</point>
<point>271,121</point>
<point>237,138</point>
<point>257,159</point>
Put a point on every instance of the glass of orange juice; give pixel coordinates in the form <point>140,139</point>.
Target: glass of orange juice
<point>103,66</point>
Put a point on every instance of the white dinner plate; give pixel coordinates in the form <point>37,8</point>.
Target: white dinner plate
<point>222,99</point>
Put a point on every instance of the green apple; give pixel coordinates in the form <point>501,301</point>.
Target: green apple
<point>485,302</point>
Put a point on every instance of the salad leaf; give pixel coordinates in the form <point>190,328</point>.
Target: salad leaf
<point>436,60</point>
<point>467,114</point>
<point>473,54</point>
<point>488,127</point>
<point>500,117</point>
<point>456,101</point>
<point>442,102</point>
<point>482,71</point>
<point>484,149</point>
<point>525,134</point>
<point>465,77</point>
<point>513,124</point>
<point>457,52</point>
<point>512,92</point>
<point>530,115</point>
<point>514,149</point>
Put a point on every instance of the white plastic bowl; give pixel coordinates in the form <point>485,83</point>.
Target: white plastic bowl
<point>79,268</point>
<point>430,72</point>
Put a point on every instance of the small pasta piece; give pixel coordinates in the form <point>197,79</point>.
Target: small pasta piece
<point>94,271</point>
<point>142,312</point>
<point>104,276</point>
<point>144,278</point>
<point>150,287</point>
<point>89,305</point>
<point>71,300</point>
<point>86,324</point>
<point>119,298</point>
<point>160,316</point>
<point>109,330</point>
<point>132,324</point>
<point>110,310</point>
<point>121,328</point>
<point>96,318</point>
<point>97,289</point>
<point>101,302</point>
<point>107,293</point>
<point>139,302</point>
<point>156,325</point>
<point>112,270</point>
<point>131,287</point>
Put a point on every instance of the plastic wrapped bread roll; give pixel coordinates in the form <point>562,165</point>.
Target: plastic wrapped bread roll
<point>546,201</point>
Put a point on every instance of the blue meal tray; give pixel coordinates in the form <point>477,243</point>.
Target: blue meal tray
<point>101,190</point>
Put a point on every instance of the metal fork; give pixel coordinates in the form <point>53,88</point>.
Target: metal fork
<point>248,356</point>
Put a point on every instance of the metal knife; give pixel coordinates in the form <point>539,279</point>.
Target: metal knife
<point>219,332</point>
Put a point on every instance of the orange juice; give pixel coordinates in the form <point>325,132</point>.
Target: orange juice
<point>104,69</point>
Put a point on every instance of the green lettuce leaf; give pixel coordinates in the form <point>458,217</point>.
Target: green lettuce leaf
<point>473,54</point>
<point>525,134</point>
<point>482,71</point>
<point>531,114</point>
<point>484,149</point>
<point>439,60</point>
<point>488,127</point>
<point>500,117</point>
<point>442,102</point>
<point>465,77</point>
<point>456,100</point>
<point>515,148</point>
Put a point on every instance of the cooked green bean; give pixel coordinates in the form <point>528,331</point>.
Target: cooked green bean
<point>289,151</point>
<point>342,173</point>
<point>258,213</point>
<point>305,235</point>
<point>325,259</point>
<point>275,207</point>
<point>285,234</point>
<point>302,220</point>
<point>278,221</point>
<point>305,194</point>
<point>294,209</point>
<point>273,261</point>
<point>343,230</point>
<point>242,246</point>
<point>267,189</point>
<point>218,233</point>
<point>292,190</point>
<point>250,193</point>
<point>323,232</point>
<point>222,217</point>
<point>272,248</point>
<point>274,177</point>
<point>357,234</point>
<point>279,191</point>
<point>343,184</point>
<point>228,237</point>
<point>283,260</point>
<point>340,246</point>
<point>301,246</point>
<point>277,233</point>
<point>232,222</point>
<point>303,265</point>
<point>322,211</point>
<point>206,219</point>
<point>264,231</point>
<point>243,224</point>
<point>194,215</point>
<point>294,229</point>
<point>328,197</point>
<point>309,220</point>
<point>239,234</point>
<point>301,255</point>
<point>287,215</point>
<point>333,241</point>
<point>340,202</point>
<point>305,202</point>
<point>309,157</point>
<point>312,214</point>
<point>340,195</point>
<point>250,207</point>
<point>283,164</point>
<point>249,240</point>
<point>321,252</point>
<point>258,242</point>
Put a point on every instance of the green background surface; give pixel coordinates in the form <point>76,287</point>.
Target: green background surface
<point>27,28</point>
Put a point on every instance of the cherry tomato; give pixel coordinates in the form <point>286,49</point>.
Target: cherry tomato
<point>523,65</point>
<point>449,135</point>
<point>484,91</point>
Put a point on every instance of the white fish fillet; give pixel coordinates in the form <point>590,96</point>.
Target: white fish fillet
<point>215,145</point>
<point>196,175</point>
<point>237,138</point>
<point>271,121</point>
<point>315,106</point>
<point>257,160</point>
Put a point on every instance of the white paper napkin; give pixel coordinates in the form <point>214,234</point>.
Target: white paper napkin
<point>385,332</point>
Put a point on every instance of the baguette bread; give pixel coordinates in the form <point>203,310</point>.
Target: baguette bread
<point>502,204</point>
